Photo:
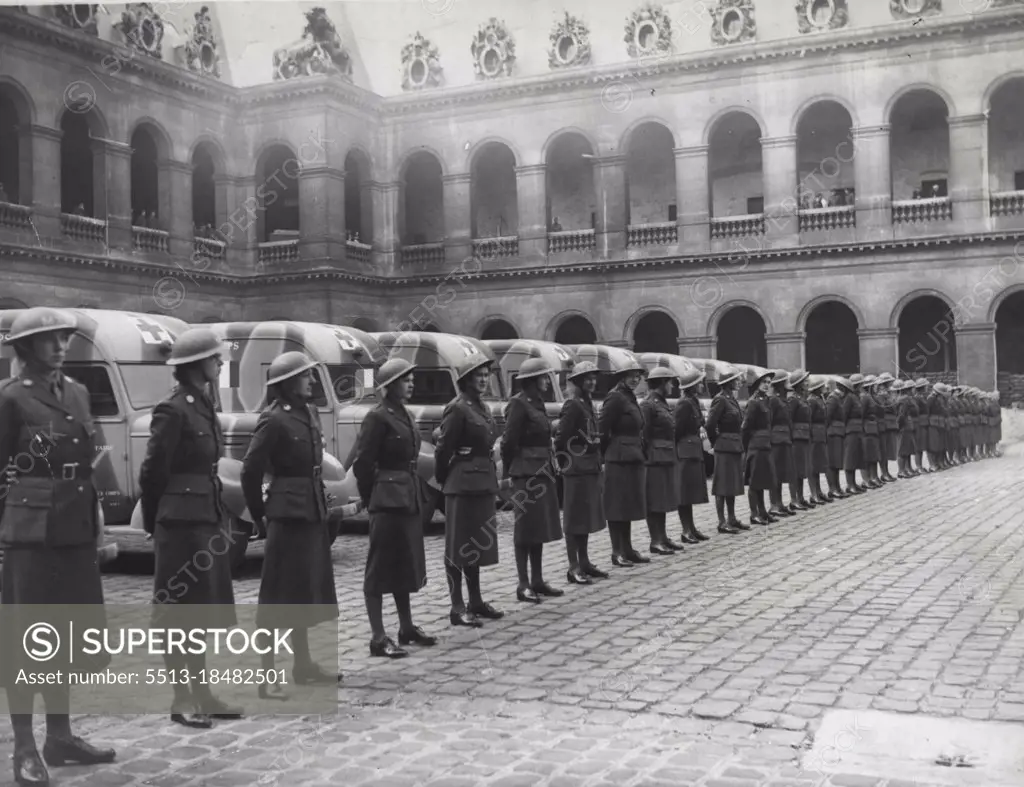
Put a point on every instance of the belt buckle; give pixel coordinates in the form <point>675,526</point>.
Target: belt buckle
<point>70,471</point>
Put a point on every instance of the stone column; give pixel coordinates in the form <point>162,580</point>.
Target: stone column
<point>872,182</point>
<point>531,198</point>
<point>385,226</point>
<point>43,191</point>
<point>968,171</point>
<point>612,206</point>
<point>780,187</point>
<point>785,350</point>
<point>696,346</point>
<point>245,226</point>
<point>367,227</point>
<point>693,212</point>
<point>458,243</point>
<point>321,215</point>
<point>112,189</point>
<point>976,354</point>
<point>175,209</point>
<point>879,348</point>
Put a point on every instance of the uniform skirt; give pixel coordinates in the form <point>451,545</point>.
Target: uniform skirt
<point>908,443</point>
<point>936,440</point>
<point>192,566</point>
<point>835,452</point>
<point>872,449</point>
<point>693,482</point>
<point>801,454</point>
<point>819,461</point>
<point>853,451</point>
<point>297,571</point>
<point>921,438</point>
<point>727,480</point>
<point>664,486</point>
<point>625,492</point>
<point>759,470</point>
<point>782,460</point>
<point>396,561</point>
<point>470,530</point>
<point>63,578</point>
<point>582,504</point>
<point>890,440</point>
<point>536,517</point>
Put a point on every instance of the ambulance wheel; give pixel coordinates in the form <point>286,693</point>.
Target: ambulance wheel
<point>241,531</point>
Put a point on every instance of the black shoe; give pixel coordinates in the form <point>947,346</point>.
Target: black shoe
<point>635,557</point>
<point>462,617</point>
<point>756,520</point>
<point>594,571</point>
<point>738,525</point>
<point>695,533</point>
<point>218,709</point>
<point>659,549</point>
<point>542,588</point>
<point>312,674</point>
<point>689,538</point>
<point>29,768</point>
<point>416,636</point>
<point>386,648</point>
<point>809,503</point>
<point>527,594</point>
<point>778,513</point>
<point>792,508</point>
<point>485,610</point>
<point>620,562</point>
<point>727,529</point>
<point>675,547</point>
<point>187,715</point>
<point>61,751</point>
<point>271,691</point>
<point>577,577</point>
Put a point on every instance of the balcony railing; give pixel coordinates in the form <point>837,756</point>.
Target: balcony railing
<point>495,248</point>
<point>912,211</point>
<point>149,239</point>
<point>738,226</point>
<point>662,233</point>
<point>208,248</point>
<point>834,218</point>
<point>83,227</point>
<point>1007,203</point>
<point>360,252</point>
<point>422,254</point>
<point>571,240</point>
<point>277,251</point>
<point>12,215</point>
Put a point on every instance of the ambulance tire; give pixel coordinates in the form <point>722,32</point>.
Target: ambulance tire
<point>241,531</point>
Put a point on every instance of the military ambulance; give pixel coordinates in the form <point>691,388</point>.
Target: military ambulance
<point>606,359</point>
<point>677,363</point>
<point>512,352</point>
<point>750,372</point>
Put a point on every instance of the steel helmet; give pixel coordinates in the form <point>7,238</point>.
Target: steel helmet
<point>40,319</point>
<point>471,364</point>
<point>690,378</point>
<point>884,378</point>
<point>288,365</point>
<point>846,384</point>
<point>816,382</point>
<point>797,377</point>
<point>780,376</point>
<point>195,344</point>
<point>898,385</point>
<point>761,378</point>
<point>632,365</point>
<point>869,381</point>
<point>393,369</point>
<point>921,382</point>
<point>856,379</point>
<point>582,368</point>
<point>729,373</point>
<point>533,367</point>
<point>661,373</point>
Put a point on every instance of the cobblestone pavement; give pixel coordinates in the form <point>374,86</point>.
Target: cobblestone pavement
<point>714,667</point>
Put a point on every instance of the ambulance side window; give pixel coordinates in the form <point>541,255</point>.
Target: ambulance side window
<point>96,378</point>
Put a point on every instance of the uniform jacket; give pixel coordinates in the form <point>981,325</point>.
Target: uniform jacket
<point>178,479</point>
<point>889,412</point>
<point>463,463</point>
<point>385,461</point>
<point>757,425</point>
<point>922,408</point>
<point>577,438</point>
<point>871,411</point>
<point>48,441</point>
<point>689,420</point>
<point>853,413</point>
<point>782,427</point>
<point>906,414</point>
<point>526,443</point>
<point>835,419</point>
<point>799,417</point>
<point>936,411</point>
<point>659,430</point>
<point>725,422</point>
<point>622,427</point>
<point>816,405</point>
<point>288,446</point>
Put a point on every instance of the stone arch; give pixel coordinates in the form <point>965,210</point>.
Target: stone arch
<point>901,304</point>
<point>96,121</point>
<point>358,195</point>
<point>408,155</point>
<point>20,98</point>
<point>741,335</point>
<point>560,319</point>
<point>570,193</point>
<point>918,86</point>
<point>214,148</point>
<point>1008,315</point>
<point>282,213</point>
<point>995,85</point>
<point>206,160</point>
<point>627,135</point>
<point>493,189</point>
<point>164,145</point>
<point>811,305</point>
<point>421,201</point>
<point>491,321</point>
<point>997,301</point>
<point>823,98</point>
<point>926,337</point>
<point>709,127</point>
<point>716,316</point>
<point>831,338</point>
<point>483,144</point>
<point>564,130</point>
<point>633,320</point>
<point>17,117</point>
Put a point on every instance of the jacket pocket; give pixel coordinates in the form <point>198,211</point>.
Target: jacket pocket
<point>530,460</point>
<point>583,464</point>
<point>729,443</point>
<point>801,431</point>
<point>625,450</point>
<point>690,447</point>
<point>188,499</point>
<point>26,511</point>
<point>474,476</point>
<point>291,498</point>
<point>818,434</point>
<point>761,440</point>
<point>394,490</point>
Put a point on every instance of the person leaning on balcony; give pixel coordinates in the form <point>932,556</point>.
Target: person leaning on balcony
<point>287,446</point>
<point>621,424</point>
<point>527,459</point>
<point>782,444</point>
<point>662,474</point>
<point>756,432</point>
<point>817,462</point>
<point>49,525</point>
<point>385,470</point>
<point>465,471</point>
<point>853,434</point>
<point>835,432</point>
<point>725,420</point>
<point>691,474</point>
<point>800,421</point>
<point>578,449</point>
<point>182,510</point>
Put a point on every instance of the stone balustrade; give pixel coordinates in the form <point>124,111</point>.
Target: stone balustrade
<point>663,233</point>
<point>571,240</point>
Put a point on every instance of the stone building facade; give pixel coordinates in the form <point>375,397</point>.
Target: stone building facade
<point>822,186</point>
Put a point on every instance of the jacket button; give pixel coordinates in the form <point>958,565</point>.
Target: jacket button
<point>68,418</point>
<point>81,489</point>
<point>188,489</point>
<point>74,440</point>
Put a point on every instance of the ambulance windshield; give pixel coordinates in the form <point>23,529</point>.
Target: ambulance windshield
<point>147,384</point>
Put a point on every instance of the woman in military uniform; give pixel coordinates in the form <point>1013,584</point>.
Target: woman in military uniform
<point>890,435</point>
<point>725,421</point>
<point>689,448</point>
<point>818,460</point>
<point>287,446</point>
<point>853,439</point>
<point>49,531</point>
<point>835,433</point>
<point>800,421</point>
<point>921,423</point>
<point>906,420</point>
<point>758,469</point>
<point>385,471</point>
<point>578,450</point>
<point>782,444</point>
<point>182,510</point>
<point>526,459</point>
<point>625,473</point>
<point>465,471</point>
<point>662,476</point>
<point>937,428</point>
<point>872,442</point>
